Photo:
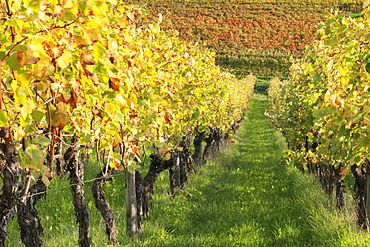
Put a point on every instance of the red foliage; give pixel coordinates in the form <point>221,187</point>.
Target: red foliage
<point>242,29</point>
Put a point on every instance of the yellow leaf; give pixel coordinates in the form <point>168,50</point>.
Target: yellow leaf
<point>40,68</point>
<point>91,35</point>
<point>65,59</point>
<point>16,6</point>
<point>132,100</point>
<point>68,4</point>
<point>109,108</point>
<point>167,156</point>
<point>115,164</point>
<point>45,180</point>
<point>19,133</point>
<point>27,108</point>
<point>33,5</point>
<point>3,118</point>
<point>80,41</point>
<point>121,101</point>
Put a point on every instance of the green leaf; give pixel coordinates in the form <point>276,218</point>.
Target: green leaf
<point>20,48</point>
<point>116,155</point>
<point>368,67</point>
<point>155,28</point>
<point>60,119</point>
<point>85,137</point>
<point>45,180</point>
<point>31,128</point>
<point>131,166</point>
<point>35,155</point>
<point>3,118</point>
<point>42,140</point>
<point>2,55</point>
<point>120,117</point>
<point>12,62</point>
<point>196,114</point>
<point>68,16</point>
<point>37,115</point>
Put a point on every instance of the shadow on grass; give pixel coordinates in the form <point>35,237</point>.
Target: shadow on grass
<point>247,198</point>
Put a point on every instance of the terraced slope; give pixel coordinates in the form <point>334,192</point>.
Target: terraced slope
<point>257,38</point>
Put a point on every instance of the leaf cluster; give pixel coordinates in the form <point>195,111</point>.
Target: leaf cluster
<point>326,98</point>
<point>93,70</point>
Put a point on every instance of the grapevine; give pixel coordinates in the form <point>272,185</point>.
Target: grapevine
<point>80,72</point>
<point>323,108</point>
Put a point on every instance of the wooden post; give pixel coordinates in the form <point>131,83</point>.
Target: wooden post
<point>175,178</point>
<point>131,206</point>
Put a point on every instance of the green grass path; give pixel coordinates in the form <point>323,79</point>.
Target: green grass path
<point>248,197</point>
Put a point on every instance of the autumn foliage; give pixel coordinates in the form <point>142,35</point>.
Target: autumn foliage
<point>92,70</point>
<point>258,37</point>
<point>323,109</point>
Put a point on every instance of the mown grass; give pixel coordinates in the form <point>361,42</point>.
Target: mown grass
<point>245,197</point>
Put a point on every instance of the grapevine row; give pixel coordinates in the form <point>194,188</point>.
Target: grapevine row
<point>323,109</point>
<point>247,37</point>
<point>80,74</point>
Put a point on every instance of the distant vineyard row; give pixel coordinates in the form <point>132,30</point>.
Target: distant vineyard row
<point>248,36</point>
<point>338,2</point>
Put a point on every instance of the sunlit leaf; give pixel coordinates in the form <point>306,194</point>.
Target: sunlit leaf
<point>65,59</point>
<point>19,133</point>
<point>3,118</point>
<point>45,180</point>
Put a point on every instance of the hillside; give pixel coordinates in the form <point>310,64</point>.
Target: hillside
<point>258,37</point>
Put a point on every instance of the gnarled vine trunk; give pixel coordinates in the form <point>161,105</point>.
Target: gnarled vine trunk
<point>340,186</point>
<point>326,175</point>
<point>9,166</point>
<point>198,147</point>
<point>213,142</point>
<point>139,199</point>
<point>76,169</point>
<point>182,165</point>
<point>28,220</point>
<point>175,175</point>
<point>361,181</point>
<point>157,165</point>
<point>186,159</point>
<point>235,126</point>
<point>102,204</point>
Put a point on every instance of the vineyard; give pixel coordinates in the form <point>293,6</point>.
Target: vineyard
<point>258,37</point>
<point>94,91</point>
<point>87,77</point>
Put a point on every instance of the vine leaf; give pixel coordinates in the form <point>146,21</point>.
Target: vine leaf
<point>65,59</point>
<point>3,118</point>
<point>367,68</point>
<point>35,155</point>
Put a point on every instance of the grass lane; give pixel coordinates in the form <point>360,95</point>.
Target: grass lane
<point>247,197</point>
